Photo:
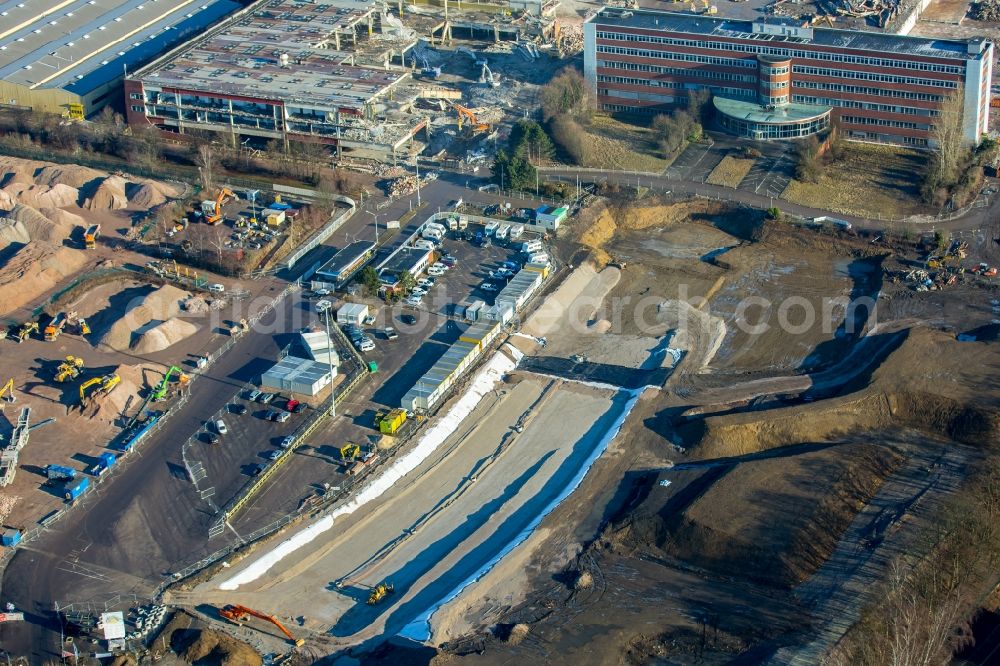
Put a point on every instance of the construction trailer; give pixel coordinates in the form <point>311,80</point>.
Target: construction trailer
<point>389,423</point>
<point>352,313</point>
<point>297,375</point>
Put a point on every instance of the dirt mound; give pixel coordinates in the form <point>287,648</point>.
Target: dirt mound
<point>906,391</point>
<point>7,200</point>
<point>195,305</point>
<point>159,306</point>
<point>144,195</point>
<point>41,227</point>
<point>217,648</point>
<point>57,196</point>
<point>769,516</point>
<point>163,335</point>
<point>13,233</point>
<point>109,194</point>
<point>35,269</point>
<point>70,175</point>
<point>63,218</point>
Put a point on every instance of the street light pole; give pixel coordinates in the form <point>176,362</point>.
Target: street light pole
<point>329,359</point>
<point>374,215</point>
<point>416,163</point>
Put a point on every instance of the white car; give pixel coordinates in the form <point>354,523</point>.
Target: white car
<point>413,301</point>
<point>425,283</point>
<point>323,306</point>
<point>418,291</point>
<point>321,292</point>
<point>435,272</point>
<point>437,265</point>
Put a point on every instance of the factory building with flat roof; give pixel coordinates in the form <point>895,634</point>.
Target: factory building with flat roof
<point>782,79</point>
<point>69,56</point>
<point>288,71</point>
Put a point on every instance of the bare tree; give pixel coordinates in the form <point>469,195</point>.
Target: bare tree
<point>951,149</point>
<point>205,161</point>
<point>218,241</point>
<point>568,94</point>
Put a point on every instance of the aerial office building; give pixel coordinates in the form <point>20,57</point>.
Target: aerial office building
<point>782,79</point>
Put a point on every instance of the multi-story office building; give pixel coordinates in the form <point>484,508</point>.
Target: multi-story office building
<point>779,79</point>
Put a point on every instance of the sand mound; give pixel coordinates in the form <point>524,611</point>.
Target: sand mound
<point>69,175</point>
<point>13,233</point>
<point>64,218</point>
<point>57,196</point>
<point>163,335</point>
<point>40,227</point>
<point>584,581</point>
<point>7,200</point>
<point>213,647</point>
<point>145,195</point>
<point>108,195</point>
<point>159,306</point>
<point>35,269</point>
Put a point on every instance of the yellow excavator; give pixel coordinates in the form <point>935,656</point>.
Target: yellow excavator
<point>349,452</point>
<point>69,369</point>
<point>465,114</point>
<point>107,383</point>
<point>213,209</point>
<point>7,391</point>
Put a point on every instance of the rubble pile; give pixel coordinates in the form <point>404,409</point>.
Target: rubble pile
<point>986,10</point>
<point>571,39</point>
<point>402,186</point>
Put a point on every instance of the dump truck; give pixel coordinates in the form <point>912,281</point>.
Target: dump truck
<point>91,235</point>
<point>55,327</point>
<point>240,614</point>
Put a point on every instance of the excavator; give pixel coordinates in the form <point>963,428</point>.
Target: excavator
<point>379,592</point>
<point>27,328</point>
<point>160,392</point>
<point>7,391</point>
<point>465,114</point>
<point>69,369</point>
<point>349,451</point>
<point>240,614</point>
<point>107,383</point>
<point>213,209</point>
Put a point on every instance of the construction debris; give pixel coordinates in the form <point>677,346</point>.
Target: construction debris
<point>986,10</point>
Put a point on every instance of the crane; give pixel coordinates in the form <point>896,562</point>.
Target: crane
<point>213,209</point>
<point>160,392</point>
<point>467,114</point>
<point>239,614</point>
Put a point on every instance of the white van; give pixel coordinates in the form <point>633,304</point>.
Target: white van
<point>217,288</point>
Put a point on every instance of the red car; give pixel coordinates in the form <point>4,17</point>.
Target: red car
<point>291,405</point>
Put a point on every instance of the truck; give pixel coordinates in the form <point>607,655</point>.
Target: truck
<point>59,473</point>
<point>105,461</point>
<point>91,235</point>
<point>55,327</point>
<point>73,491</point>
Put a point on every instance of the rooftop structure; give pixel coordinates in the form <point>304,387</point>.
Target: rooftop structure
<point>345,264</point>
<point>297,375</point>
<point>284,69</point>
<point>782,78</point>
<point>317,346</point>
<point>410,259</point>
<point>69,56</point>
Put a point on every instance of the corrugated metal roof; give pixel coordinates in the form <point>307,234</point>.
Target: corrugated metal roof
<point>298,370</point>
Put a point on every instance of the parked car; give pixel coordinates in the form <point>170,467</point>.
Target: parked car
<point>426,283</point>
<point>321,292</point>
<point>271,414</point>
<point>449,260</point>
<point>367,345</point>
<point>408,319</point>
<point>211,437</point>
<point>291,405</point>
<point>253,395</point>
<point>489,286</point>
<point>369,320</point>
<point>440,266</point>
<point>257,469</point>
<point>418,291</point>
<point>286,442</point>
<point>435,272</point>
<point>281,416</point>
<point>412,301</point>
<point>390,333</point>
<point>220,427</point>
<point>273,454</point>
<point>237,409</point>
<point>301,407</point>
<point>265,398</point>
<point>511,266</point>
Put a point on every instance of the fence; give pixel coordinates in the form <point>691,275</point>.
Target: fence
<point>320,236</point>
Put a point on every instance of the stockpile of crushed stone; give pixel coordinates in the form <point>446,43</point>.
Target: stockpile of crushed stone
<point>163,335</point>
<point>109,194</point>
<point>158,306</point>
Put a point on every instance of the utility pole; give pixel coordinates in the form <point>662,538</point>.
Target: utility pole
<point>375,215</point>
<point>416,163</point>
<point>329,359</point>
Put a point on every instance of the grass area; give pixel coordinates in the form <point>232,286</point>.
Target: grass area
<point>730,171</point>
<point>869,180</point>
<point>618,145</point>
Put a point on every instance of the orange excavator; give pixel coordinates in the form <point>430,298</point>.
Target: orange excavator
<point>464,114</point>
<point>240,614</point>
<point>213,209</point>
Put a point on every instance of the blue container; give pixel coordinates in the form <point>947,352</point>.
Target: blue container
<point>73,491</point>
<point>10,538</point>
<point>57,472</point>
<point>108,460</point>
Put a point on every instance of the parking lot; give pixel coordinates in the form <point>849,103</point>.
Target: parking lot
<point>424,335</point>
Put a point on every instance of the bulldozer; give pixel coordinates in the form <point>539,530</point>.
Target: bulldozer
<point>69,369</point>
<point>106,384</point>
<point>379,592</point>
<point>240,614</point>
<point>349,451</point>
<point>27,328</point>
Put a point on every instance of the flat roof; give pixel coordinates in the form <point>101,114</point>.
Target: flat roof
<point>285,50</point>
<point>772,115</point>
<point>843,39</point>
<point>404,259</point>
<point>346,258</point>
<point>63,43</point>
<point>300,370</point>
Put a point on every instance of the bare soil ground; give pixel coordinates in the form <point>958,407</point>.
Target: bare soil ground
<point>880,182</point>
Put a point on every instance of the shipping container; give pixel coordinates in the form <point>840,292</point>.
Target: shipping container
<point>73,491</point>
<point>540,267</point>
<point>10,538</point>
<point>59,473</point>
